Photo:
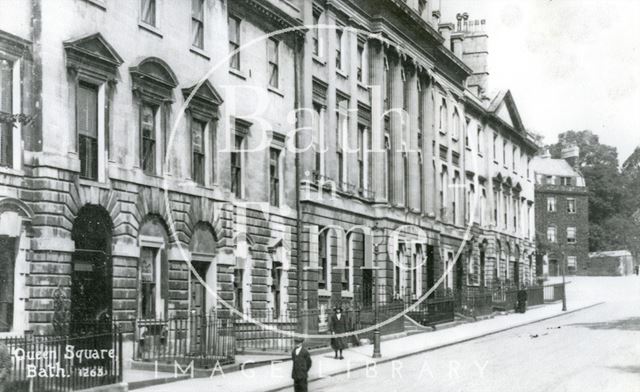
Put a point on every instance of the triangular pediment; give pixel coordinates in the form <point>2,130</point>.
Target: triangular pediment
<point>504,107</point>
<point>206,92</point>
<point>504,114</point>
<point>95,46</point>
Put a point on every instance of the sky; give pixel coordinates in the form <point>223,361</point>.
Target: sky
<point>570,64</point>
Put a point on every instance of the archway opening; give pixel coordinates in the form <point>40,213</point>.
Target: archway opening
<point>91,277</point>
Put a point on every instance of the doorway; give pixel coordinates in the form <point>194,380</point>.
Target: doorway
<point>431,273</point>
<point>198,306</point>
<point>91,277</point>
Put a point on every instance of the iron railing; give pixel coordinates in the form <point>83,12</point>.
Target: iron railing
<point>433,311</point>
<point>63,363</point>
<point>554,292</point>
<point>198,340</point>
<point>265,331</point>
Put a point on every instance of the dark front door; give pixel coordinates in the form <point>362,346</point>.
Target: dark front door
<point>7,265</point>
<point>554,269</point>
<point>367,287</point>
<point>431,273</point>
<point>482,264</point>
<point>198,307</point>
<point>90,291</point>
<point>460,273</point>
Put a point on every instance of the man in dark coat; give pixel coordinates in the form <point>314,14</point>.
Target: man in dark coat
<point>338,325</point>
<point>301,365</point>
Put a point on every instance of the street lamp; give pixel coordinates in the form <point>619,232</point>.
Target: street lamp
<point>376,299</point>
<point>564,287</point>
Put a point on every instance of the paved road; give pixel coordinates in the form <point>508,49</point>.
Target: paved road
<point>597,349</point>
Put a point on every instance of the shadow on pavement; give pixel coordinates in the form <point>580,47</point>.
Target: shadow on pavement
<point>628,369</point>
<point>630,324</point>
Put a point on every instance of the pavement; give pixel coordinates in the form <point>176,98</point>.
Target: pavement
<point>591,350</point>
<point>276,376</point>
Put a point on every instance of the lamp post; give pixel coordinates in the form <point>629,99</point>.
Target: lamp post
<point>376,332</point>
<point>376,300</point>
<point>564,287</point>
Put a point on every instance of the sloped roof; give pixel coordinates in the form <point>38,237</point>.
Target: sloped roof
<point>553,167</point>
<point>611,253</point>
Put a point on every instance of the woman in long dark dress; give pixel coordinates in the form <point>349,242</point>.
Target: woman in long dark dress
<point>338,325</point>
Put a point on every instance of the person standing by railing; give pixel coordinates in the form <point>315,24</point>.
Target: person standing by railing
<point>5,365</point>
<point>338,325</point>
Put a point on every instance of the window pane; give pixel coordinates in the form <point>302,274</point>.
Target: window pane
<point>234,35</point>
<point>6,145</point>
<point>149,12</point>
<point>197,9</point>
<point>197,132</point>
<point>7,264</point>
<point>6,86</point>
<point>148,131</point>
<point>87,110</point>
<point>197,29</point>
<point>272,51</point>
<point>147,282</point>
<point>88,150</point>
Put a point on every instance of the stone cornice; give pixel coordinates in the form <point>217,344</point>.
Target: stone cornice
<point>272,13</point>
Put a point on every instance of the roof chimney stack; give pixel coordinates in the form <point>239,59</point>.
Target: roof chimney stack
<point>475,53</point>
<point>445,30</point>
<point>571,155</point>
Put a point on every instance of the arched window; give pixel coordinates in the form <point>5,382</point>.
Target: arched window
<point>443,117</point>
<point>278,278</point>
<point>347,274</point>
<point>203,252</point>
<point>496,266</point>
<point>153,269</point>
<point>324,256</point>
<point>455,131</point>
<point>15,225</point>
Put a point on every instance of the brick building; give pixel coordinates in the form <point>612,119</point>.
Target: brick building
<point>158,133</point>
<point>562,214</point>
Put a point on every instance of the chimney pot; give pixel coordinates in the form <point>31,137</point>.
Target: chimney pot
<point>436,17</point>
<point>571,155</point>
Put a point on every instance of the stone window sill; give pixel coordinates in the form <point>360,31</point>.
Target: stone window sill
<point>152,29</point>
<point>238,73</point>
<point>199,52</point>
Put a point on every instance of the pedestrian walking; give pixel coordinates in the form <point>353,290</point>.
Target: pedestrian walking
<point>5,365</point>
<point>338,325</point>
<point>301,365</point>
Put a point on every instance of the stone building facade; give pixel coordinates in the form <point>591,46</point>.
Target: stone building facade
<point>562,214</point>
<point>150,133</point>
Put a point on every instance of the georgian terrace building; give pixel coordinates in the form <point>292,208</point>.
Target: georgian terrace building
<point>111,88</point>
<point>412,150</point>
<point>392,103</point>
